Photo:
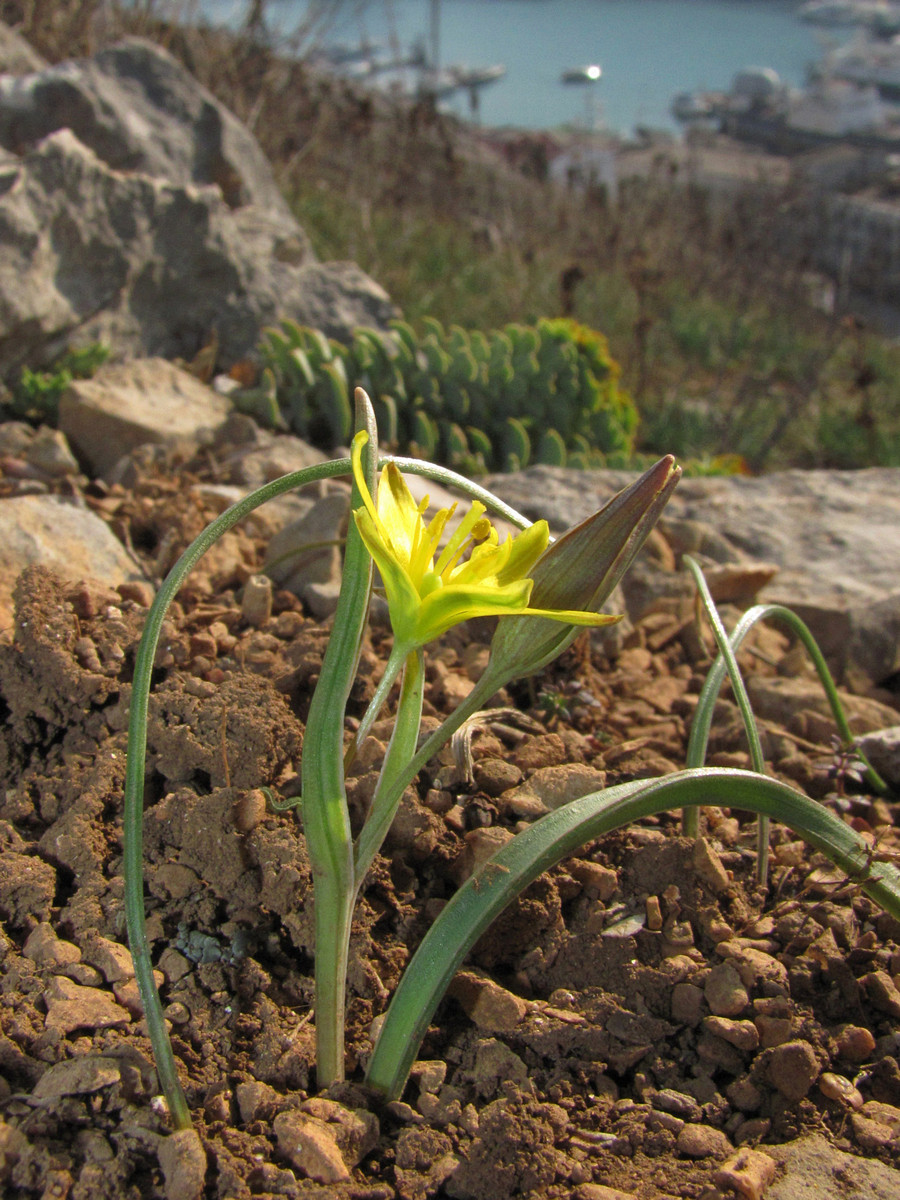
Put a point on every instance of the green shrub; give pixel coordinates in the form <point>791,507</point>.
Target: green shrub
<point>37,394</point>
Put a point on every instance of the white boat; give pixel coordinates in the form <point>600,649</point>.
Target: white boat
<point>587,74</point>
<point>476,77</point>
<point>760,108</point>
<point>697,107</point>
<point>871,14</point>
<point>440,82</point>
<point>838,109</point>
<point>869,62</point>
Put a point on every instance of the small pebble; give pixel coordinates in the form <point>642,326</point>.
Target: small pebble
<point>869,1134</point>
<point>183,1161</point>
<point>753,1130</point>
<point>256,602</point>
<point>248,810</point>
<point>594,877</point>
<point>703,1141</point>
<point>311,1145</point>
<point>680,1104</point>
<point>256,1101</point>
<point>854,1043</point>
<point>491,1007</point>
<point>748,1174</point>
<point>744,1095</point>
<point>45,949</point>
<point>837,1087</point>
<point>793,1069</point>
<point>882,992</point>
<point>773,1031</point>
<point>725,993</point>
<point>708,867</point>
<point>887,1114</point>
<point>743,1035</point>
<point>687,1004</point>
<point>177,1013</point>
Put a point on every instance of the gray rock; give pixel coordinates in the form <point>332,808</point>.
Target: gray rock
<point>811,1159</point>
<point>267,456</point>
<point>138,109</point>
<point>834,536</point>
<point>308,551</point>
<point>17,57</point>
<point>131,404</point>
<point>882,749</point>
<point>72,541</point>
<point>778,699</point>
<point>49,453</point>
<point>152,267</point>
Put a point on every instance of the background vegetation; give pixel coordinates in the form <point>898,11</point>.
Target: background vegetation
<point>705,301</point>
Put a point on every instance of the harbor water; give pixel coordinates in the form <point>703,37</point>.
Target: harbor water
<point>649,50</point>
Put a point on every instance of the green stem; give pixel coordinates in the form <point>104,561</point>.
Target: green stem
<point>443,475</point>
<point>705,705</point>
<point>691,817</point>
<point>133,804</point>
<point>392,669</point>
<point>400,752</point>
<point>133,797</point>
<point>326,820</point>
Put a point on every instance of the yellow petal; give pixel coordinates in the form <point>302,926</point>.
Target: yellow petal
<point>359,441</point>
<point>402,596</point>
<point>398,511</point>
<point>457,543</point>
<point>449,606</point>
<point>573,616</point>
<point>426,550</point>
<point>525,550</point>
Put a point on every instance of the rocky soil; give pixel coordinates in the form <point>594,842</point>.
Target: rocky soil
<point>646,1021</point>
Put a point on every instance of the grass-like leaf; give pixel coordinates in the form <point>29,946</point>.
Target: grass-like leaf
<point>484,896</point>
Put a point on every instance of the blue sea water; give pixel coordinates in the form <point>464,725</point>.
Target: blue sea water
<point>649,50</point>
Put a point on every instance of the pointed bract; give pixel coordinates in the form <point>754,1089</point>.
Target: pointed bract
<point>581,569</point>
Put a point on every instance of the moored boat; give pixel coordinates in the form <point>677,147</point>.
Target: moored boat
<point>586,74</point>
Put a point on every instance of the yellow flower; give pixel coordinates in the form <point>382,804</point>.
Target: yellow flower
<point>427,597</point>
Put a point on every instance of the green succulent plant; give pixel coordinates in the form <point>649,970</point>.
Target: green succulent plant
<point>477,401</point>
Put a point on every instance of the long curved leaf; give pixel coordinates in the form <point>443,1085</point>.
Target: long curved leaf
<point>483,897</point>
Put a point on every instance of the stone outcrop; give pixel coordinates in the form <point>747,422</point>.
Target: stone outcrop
<point>17,57</point>
<point>139,110</point>
<point>138,211</point>
<point>127,405</point>
<point>834,537</point>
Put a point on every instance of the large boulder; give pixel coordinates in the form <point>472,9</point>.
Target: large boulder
<point>136,210</point>
<point>834,537</point>
<point>67,538</point>
<point>138,109</point>
<point>131,404</point>
<point>151,267</point>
